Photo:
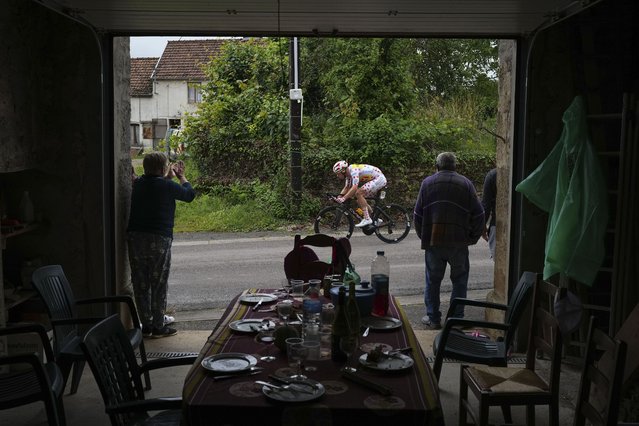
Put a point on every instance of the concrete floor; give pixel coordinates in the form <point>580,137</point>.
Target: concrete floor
<point>86,407</point>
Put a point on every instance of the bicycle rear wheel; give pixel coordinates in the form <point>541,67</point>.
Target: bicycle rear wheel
<point>334,221</point>
<point>394,225</point>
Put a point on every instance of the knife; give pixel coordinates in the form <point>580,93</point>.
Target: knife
<point>252,371</point>
<point>257,305</point>
<point>293,387</point>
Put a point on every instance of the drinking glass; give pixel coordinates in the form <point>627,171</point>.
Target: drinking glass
<point>266,337</point>
<point>284,310</point>
<point>349,344</point>
<point>297,288</point>
<point>296,353</point>
<point>312,353</point>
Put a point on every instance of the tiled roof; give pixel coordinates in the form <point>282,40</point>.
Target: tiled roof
<point>183,59</point>
<point>141,70</point>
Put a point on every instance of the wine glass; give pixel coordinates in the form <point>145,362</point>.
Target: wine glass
<point>296,352</point>
<point>348,344</point>
<point>284,310</point>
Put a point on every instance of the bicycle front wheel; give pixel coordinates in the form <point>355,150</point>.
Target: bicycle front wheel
<point>392,223</point>
<point>334,221</point>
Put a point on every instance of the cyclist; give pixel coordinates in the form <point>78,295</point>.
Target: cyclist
<point>362,180</point>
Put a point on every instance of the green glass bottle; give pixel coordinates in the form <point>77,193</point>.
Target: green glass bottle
<point>352,310</point>
<point>340,327</point>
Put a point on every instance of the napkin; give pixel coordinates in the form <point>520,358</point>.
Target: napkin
<point>354,377</point>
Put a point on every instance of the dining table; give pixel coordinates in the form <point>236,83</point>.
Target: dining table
<point>370,396</point>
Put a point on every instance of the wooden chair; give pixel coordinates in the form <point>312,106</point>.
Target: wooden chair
<point>110,355</point>
<point>303,264</point>
<point>601,379</point>
<point>511,386</point>
<point>33,380</point>
<point>54,289</point>
<point>452,342</point>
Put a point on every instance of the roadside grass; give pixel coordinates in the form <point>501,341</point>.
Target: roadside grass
<point>214,214</point>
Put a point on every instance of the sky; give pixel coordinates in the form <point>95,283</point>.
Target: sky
<point>152,47</point>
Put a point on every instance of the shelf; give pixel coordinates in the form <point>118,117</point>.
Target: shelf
<point>15,231</point>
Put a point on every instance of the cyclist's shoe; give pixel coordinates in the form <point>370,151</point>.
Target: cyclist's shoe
<point>364,222</point>
<point>378,222</point>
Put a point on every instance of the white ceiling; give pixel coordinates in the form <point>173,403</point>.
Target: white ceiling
<point>491,18</point>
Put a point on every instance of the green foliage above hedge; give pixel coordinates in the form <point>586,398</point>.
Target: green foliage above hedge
<point>389,102</point>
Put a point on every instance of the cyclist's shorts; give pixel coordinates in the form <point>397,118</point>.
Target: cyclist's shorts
<point>370,188</point>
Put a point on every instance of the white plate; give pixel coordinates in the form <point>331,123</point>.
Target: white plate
<point>396,362</point>
<point>381,323</point>
<point>231,362</point>
<point>254,298</point>
<point>249,325</point>
<point>290,395</point>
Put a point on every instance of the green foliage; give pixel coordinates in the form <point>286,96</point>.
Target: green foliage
<point>394,103</point>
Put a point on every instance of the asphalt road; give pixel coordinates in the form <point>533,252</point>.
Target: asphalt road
<point>208,270</point>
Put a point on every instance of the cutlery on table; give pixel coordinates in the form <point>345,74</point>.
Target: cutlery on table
<point>365,333</point>
<point>257,305</point>
<point>251,371</point>
<point>291,387</point>
<point>287,381</point>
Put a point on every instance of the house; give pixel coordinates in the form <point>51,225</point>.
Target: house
<point>165,89</point>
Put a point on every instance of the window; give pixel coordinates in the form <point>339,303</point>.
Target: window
<point>195,93</point>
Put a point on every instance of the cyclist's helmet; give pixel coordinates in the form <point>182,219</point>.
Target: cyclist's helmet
<point>340,166</point>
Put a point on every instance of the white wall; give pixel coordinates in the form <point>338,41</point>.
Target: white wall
<point>169,100</point>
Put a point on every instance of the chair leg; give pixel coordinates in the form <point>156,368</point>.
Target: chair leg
<point>553,412</point>
<point>65,363</point>
<point>463,399</point>
<point>61,414</point>
<point>51,408</point>
<point>484,410</point>
<point>530,415</point>
<point>78,367</point>
<point>437,365</point>
<point>508,416</point>
<point>143,358</point>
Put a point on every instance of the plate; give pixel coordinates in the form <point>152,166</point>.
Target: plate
<point>249,325</point>
<point>396,362</point>
<point>381,323</point>
<point>313,386</point>
<point>254,298</point>
<point>231,362</point>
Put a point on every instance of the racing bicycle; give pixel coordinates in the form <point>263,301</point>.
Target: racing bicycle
<point>391,222</point>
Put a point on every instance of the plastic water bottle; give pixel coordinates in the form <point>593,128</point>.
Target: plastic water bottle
<point>380,272</point>
<point>312,305</point>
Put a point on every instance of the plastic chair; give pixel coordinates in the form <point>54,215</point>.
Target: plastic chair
<point>303,264</point>
<point>453,343</point>
<point>34,380</point>
<point>117,373</point>
<point>513,386</point>
<point>55,291</point>
<point>601,379</point>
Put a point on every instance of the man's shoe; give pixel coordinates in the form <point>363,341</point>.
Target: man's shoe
<point>168,320</point>
<point>364,222</point>
<point>430,325</point>
<point>378,222</point>
<point>146,331</point>
<point>165,331</point>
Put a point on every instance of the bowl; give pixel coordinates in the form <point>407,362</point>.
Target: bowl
<point>364,295</point>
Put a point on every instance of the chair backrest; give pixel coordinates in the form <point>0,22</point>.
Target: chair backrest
<point>302,262</point>
<point>545,336</point>
<point>54,290</point>
<point>601,379</point>
<point>110,355</point>
<point>33,381</point>
<point>517,304</point>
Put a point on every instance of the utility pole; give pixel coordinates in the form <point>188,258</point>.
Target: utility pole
<point>295,123</point>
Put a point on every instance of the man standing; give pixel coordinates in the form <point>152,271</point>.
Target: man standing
<point>448,218</point>
<point>150,236</point>
<point>488,201</point>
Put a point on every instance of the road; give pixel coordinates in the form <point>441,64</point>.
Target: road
<point>208,270</point>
